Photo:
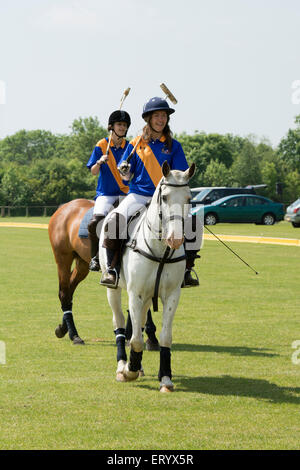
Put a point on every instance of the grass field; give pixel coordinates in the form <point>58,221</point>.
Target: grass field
<point>236,385</point>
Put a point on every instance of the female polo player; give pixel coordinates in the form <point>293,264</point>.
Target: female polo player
<point>144,172</point>
<point>110,184</point>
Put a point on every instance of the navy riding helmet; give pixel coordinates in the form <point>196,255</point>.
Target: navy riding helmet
<point>156,104</point>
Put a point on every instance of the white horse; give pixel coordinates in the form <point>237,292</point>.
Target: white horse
<point>157,249</point>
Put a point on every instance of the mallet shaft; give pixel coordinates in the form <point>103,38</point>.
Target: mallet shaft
<point>133,150</point>
<point>124,96</point>
<point>228,247</point>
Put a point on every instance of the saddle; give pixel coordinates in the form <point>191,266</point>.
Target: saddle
<point>83,228</point>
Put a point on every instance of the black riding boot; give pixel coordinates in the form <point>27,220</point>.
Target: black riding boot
<point>189,280</point>
<point>92,229</point>
<point>111,275</point>
<point>114,232</point>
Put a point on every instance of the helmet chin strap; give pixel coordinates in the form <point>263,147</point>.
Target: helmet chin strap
<point>119,136</point>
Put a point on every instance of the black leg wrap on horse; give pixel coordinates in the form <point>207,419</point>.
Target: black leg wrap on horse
<point>63,327</point>
<point>150,328</point>
<point>68,319</point>
<point>128,329</point>
<point>66,306</point>
<point>165,363</point>
<point>135,361</point>
<point>120,342</point>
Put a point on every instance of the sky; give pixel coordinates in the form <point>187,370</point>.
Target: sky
<point>233,65</point>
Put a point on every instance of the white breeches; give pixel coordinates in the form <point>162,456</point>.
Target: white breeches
<point>193,235</point>
<point>104,204</point>
<point>132,203</point>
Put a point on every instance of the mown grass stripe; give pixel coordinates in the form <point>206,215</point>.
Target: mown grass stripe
<point>229,238</point>
<point>246,239</point>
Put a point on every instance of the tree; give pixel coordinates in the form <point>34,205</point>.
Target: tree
<point>15,189</point>
<point>85,133</point>
<point>24,147</point>
<point>202,148</point>
<point>269,176</point>
<point>246,169</point>
<point>216,174</point>
<point>289,148</point>
<point>291,189</point>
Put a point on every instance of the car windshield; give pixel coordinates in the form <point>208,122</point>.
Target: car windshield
<point>201,195</point>
<point>227,199</point>
<point>296,203</point>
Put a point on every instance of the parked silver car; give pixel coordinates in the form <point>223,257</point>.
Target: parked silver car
<point>293,214</point>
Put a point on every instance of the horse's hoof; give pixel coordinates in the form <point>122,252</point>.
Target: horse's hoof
<point>120,369</point>
<point>165,389</point>
<point>127,377</point>
<point>151,346</point>
<point>166,385</point>
<point>60,331</point>
<point>120,377</point>
<point>141,372</point>
<point>77,340</point>
<point>130,375</point>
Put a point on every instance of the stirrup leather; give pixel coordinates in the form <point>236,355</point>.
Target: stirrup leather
<point>110,286</point>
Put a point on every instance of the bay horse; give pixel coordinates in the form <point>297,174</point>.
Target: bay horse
<point>67,248</point>
<point>149,252</point>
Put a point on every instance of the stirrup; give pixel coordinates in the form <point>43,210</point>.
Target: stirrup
<point>110,286</point>
<point>186,286</point>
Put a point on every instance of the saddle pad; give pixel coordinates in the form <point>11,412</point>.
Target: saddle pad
<point>83,229</point>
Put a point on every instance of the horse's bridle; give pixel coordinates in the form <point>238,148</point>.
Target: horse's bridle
<point>167,219</point>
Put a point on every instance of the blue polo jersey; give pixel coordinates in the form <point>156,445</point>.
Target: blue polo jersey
<point>142,181</point>
<point>107,183</point>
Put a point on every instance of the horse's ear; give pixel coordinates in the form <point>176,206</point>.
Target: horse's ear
<point>192,170</point>
<point>165,168</point>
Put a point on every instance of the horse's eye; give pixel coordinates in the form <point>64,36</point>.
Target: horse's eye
<point>164,198</point>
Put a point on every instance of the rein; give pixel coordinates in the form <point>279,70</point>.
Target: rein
<point>167,257</point>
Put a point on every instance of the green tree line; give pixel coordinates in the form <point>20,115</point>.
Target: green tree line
<point>41,168</point>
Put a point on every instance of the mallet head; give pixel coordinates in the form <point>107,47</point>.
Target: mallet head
<point>170,95</point>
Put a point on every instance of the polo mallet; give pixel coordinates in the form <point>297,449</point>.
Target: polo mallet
<point>172,98</point>
<point>169,95</point>
<point>124,96</point>
<point>228,247</point>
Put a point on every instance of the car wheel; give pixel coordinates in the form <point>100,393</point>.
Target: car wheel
<point>210,219</point>
<point>296,224</point>
<point>268,219</point>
